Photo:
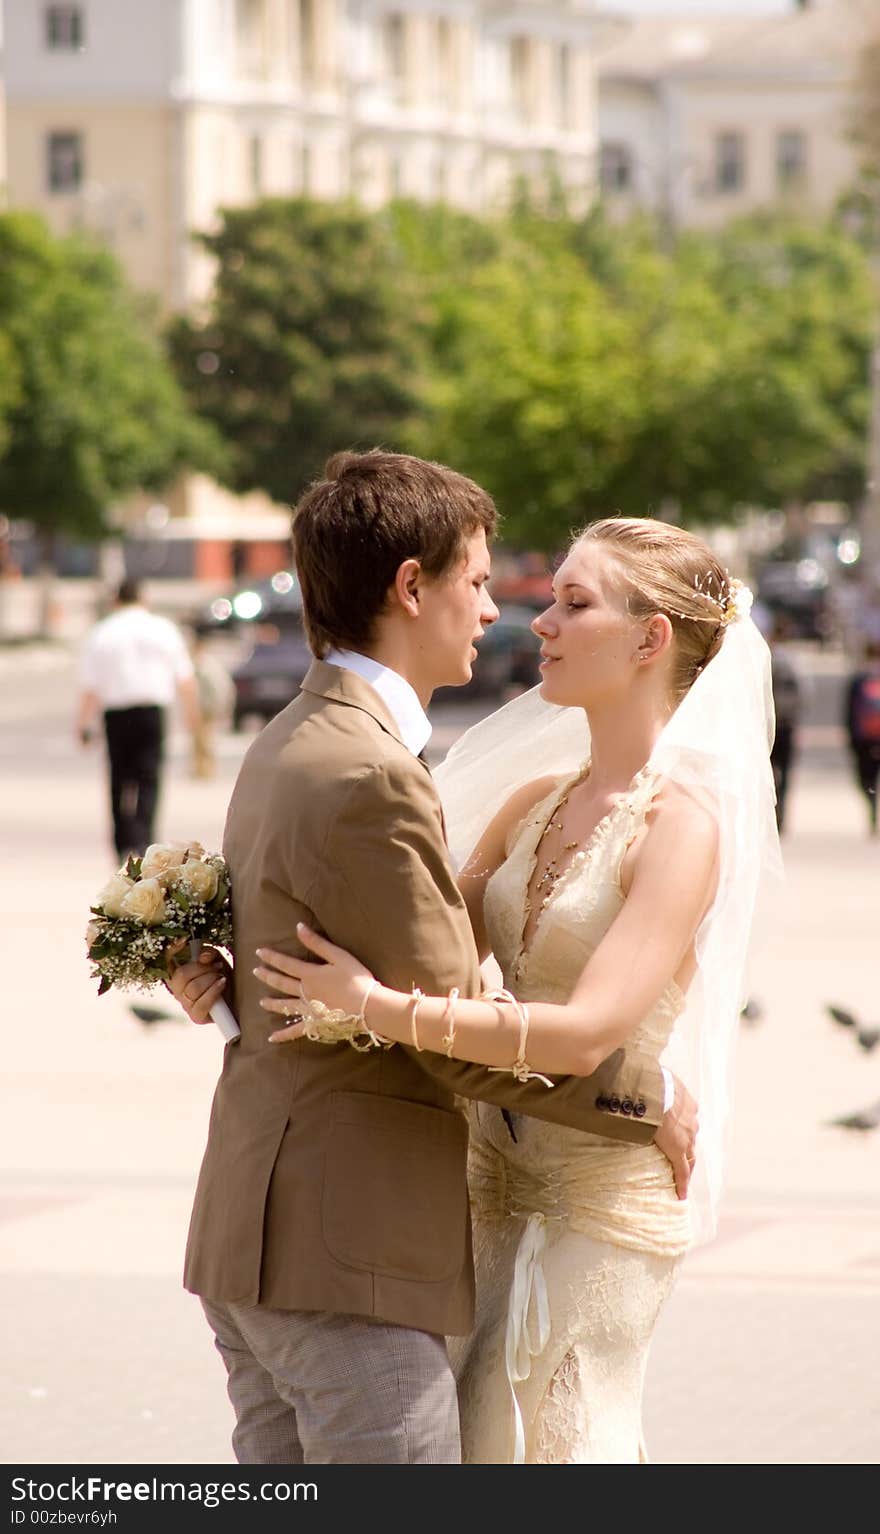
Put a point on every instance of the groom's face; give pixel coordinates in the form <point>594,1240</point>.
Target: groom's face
<point>454,612</point>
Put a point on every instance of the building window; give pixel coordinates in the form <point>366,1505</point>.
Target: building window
<point>308,41</point>
<point>64,162</point>
<point>439,179</point>
<point>394,49</point>
<point>305,169</point>
<point>519,74</point>
<point>255,164</point>
<point>615,168</point>
<point>443,71</point>
<point>251,30</point>
<point>791,159</point>
<point>730,163</point>
<point>65,31</point>
<point>563,85</point>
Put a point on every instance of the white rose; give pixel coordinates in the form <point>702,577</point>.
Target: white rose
<point>146,903</point>
<point>195,850</point>
<point>114,892</point>
<point>160,858</point>
<point>198,880</point>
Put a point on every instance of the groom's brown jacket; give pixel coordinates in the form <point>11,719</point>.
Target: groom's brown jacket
<point>335,1180</point>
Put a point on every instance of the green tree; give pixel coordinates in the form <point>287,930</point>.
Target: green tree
<point>312,343</point>
<point>540,397</point>
<point>589,369</point>
<point>792,399</point>
<point>97,411</point>
<point>10,388</point>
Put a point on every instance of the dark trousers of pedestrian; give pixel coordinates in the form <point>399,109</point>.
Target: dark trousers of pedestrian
<point>867,762</point>
<point>134,747</point>
<point>780,760</point>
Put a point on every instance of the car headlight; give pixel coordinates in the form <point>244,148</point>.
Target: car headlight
<point>248,604</point>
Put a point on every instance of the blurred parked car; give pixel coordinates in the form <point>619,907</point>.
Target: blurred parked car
<point>799,593</point>
<point>507,659</point>
<point>795,583</point>
<point>270,677</point>
<point>276,599</point>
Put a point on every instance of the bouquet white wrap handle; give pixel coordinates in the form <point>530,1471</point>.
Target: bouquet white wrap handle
<point>221,1013</point>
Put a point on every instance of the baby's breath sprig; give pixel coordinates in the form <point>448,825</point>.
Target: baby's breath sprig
<point>175,891</point>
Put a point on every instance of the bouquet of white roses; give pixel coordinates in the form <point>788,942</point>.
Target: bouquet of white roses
<point>175,891</point>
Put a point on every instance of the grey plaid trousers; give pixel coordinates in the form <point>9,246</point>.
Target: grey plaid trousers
<point>316,1388</point>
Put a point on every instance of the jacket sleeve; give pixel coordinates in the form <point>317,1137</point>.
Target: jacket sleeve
<point>387,893</point>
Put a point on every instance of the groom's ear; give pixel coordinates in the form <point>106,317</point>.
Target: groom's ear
<point>407,584</point>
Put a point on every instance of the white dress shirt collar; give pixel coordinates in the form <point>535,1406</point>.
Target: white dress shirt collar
<point>396,693</point>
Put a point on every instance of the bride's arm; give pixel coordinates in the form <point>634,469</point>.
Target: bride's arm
<point>672,886</point>
<point>491,851</point>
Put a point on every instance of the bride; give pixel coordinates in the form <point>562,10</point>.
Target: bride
<point>615,887</point>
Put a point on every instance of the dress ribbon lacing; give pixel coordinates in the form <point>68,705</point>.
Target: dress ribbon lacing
<point>520,1348</point>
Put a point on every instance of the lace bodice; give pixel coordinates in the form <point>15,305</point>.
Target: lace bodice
<point>622,1192</point>
<point>580,910</point>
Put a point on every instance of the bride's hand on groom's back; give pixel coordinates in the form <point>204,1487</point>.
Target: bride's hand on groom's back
<point>677,1137</point>
<point>199,983</point>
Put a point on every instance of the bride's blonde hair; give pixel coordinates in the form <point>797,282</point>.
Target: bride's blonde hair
<point>669,570</point>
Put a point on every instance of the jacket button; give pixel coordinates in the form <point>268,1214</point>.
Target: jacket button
<point>602,1102</point>
<point>614,1105</point>
<point>640,1110</point>
<point>626,1106</point>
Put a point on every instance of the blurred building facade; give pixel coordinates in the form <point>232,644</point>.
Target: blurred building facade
<point>707,117</point>
<point>140,121</point>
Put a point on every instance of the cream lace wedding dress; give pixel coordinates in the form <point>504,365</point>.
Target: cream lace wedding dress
<point>577,1239</point>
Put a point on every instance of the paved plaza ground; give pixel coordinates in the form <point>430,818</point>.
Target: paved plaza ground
<point>767,1352</point>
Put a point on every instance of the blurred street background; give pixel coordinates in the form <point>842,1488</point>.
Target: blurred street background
<point>602,255</point>
<point>766,1351</point>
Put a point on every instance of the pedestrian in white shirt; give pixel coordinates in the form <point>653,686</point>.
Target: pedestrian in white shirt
<point>133,666</point>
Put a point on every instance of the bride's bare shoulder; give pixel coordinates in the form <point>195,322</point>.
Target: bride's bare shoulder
<point>684,812</point>
<point>515,809</point>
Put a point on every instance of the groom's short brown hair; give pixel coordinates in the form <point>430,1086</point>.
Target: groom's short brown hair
<point>353,529</point>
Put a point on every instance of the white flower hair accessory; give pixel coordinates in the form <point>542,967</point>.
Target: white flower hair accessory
<point>738,603</point>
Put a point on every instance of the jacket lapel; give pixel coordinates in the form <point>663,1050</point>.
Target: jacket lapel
<point>346,687</point>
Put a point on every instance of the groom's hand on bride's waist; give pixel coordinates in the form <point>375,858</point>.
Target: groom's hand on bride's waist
<point>677,1137</point>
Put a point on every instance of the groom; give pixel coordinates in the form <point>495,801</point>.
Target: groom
<point>330,1236</point>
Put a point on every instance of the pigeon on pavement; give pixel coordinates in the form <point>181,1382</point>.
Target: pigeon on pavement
<point>866,1038</point>
<point>149,1015</point>
<point>865,1118</point>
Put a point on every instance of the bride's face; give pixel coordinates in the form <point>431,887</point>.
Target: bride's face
<point>589,642</point>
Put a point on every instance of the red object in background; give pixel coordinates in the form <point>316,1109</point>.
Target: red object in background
<point>214,559</point>
<point>532,590</point>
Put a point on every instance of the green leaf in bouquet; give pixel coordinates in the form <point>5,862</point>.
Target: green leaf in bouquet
<point>180,898</point>
<point>133,866</point>
<point>222,892</point>
<point>105,985</point>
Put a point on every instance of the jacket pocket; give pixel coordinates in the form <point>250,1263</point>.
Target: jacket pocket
<point>395,1187</point>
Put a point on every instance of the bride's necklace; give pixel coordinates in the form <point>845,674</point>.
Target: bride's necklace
<point>557,865</point>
